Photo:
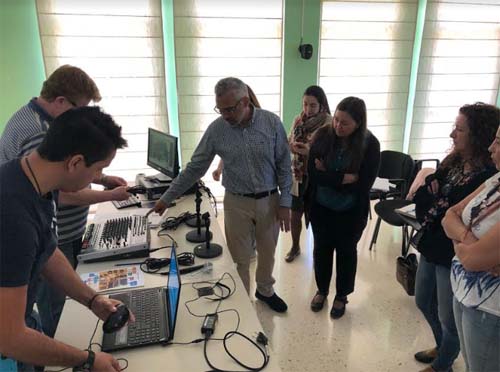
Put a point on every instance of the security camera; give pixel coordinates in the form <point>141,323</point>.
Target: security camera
<point>306,51</point>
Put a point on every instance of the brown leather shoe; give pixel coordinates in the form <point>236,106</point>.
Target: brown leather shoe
<point>292,254</point>
<point>318,302</point>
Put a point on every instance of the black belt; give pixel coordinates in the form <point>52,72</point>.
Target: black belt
<point>259,195</point>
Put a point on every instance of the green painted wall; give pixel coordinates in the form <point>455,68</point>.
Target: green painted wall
<point>21,63</point>
<point>167,10</point>
<point>298,73</point>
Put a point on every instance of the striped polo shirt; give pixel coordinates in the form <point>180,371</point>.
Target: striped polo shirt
<point>23,133</point>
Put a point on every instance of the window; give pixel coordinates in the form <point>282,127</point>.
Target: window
<point>460,63</point>
<point>219,38</point>
<point>365,51</point>
<point>119,44</point>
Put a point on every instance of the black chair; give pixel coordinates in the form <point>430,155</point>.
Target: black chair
<point>394,166</point>
<point>404,171</point>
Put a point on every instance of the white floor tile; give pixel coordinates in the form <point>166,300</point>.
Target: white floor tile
<point>380,331</point>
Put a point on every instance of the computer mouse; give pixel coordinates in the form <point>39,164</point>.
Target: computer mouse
<point>116,320</point>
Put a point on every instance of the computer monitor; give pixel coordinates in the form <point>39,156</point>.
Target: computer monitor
<point>163,155</point>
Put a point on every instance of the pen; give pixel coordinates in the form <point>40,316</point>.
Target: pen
<point>129,263</point>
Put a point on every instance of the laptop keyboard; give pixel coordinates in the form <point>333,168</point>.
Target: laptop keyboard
<point>145,304</point>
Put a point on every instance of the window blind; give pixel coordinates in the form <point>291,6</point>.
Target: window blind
<point>460,63</point>
<point>119,44</point>
<point>220,38</point>
<point>365,51</point>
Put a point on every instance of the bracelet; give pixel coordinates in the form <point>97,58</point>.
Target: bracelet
<point>91,301</point>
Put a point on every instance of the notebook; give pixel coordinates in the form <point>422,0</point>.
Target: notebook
<point>155,311</point>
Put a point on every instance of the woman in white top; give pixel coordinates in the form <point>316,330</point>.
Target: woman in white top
<point>474,225</point>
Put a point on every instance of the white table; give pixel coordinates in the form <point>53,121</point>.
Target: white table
<point>77,323</point>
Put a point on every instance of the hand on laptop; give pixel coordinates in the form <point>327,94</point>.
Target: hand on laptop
<point>102,306</point>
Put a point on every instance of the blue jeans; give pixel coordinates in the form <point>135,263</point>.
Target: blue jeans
<point>479,338</point>
<point>49,300</point>
<point>434,298</point>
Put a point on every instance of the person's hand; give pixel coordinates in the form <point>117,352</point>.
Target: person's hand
<point>433,188</point>
<point>300,148</point>
<point>159,208</point>
<point>319,165</point>
<point>350,178</point>
<point>105,362</point>
<point>103,306</point>
<point>216,174</point>
<point>469,238</point>
<point>119,193</point>
<point>111,182</point>
<point>284,218</point>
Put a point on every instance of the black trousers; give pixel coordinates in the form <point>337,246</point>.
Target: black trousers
<point>337,232</point>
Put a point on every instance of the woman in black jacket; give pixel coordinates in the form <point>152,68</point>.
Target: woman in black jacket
<point>343,164</point>
<point>461,172</point>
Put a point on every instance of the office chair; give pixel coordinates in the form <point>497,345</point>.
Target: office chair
<point>404,170</point>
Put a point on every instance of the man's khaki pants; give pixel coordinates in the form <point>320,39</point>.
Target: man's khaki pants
<point>244,217</point>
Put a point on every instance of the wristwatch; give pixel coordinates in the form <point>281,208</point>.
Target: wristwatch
<point>88,364</point>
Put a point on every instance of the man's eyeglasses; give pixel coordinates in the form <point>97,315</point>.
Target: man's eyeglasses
<point>227,110</point>
<point>71,102</point>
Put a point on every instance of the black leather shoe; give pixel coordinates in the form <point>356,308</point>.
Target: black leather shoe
<point>274,302</point>
<point>318,302</point>
<point>292,255</point>
<point>426,356</point>
<point>338,312</point>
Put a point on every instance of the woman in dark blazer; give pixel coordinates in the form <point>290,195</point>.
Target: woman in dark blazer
<point>343,163</point>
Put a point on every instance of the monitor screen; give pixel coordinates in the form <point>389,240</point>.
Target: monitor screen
<point>162,153</point>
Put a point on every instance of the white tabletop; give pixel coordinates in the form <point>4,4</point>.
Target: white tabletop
<point>77,323</point>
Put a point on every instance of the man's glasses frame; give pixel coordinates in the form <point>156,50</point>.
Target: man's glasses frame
<point>227,110</point>
<point>71,102</point>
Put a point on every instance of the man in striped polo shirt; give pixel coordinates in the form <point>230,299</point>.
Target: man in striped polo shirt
<point>66,88</point>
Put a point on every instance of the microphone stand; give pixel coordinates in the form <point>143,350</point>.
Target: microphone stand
<point>196,220</point>
<point>207,250</point>
<point>197,235</point>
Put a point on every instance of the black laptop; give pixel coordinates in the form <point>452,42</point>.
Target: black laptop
<point>155,311</point>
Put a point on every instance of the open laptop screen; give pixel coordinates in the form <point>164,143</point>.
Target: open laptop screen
<point>173,290</point>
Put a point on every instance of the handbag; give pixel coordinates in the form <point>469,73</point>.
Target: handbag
<point>406,271</point>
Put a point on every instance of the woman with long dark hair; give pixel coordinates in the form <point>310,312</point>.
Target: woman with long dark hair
<point>466,167</point>
<point>315,113</point>
<point>343,163</point>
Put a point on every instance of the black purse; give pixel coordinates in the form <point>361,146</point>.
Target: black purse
<point>406,271</point>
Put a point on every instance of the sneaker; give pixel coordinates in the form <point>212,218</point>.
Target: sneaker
<point>426,356</point>
<point>274,302</point>
<point>318,302</point>
<point>292,255</point>
<point>339,310</point>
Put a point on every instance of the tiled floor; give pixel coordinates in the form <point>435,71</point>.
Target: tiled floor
<point>382,327</point>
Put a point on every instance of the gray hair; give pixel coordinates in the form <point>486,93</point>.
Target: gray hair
<point>231,84</point>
